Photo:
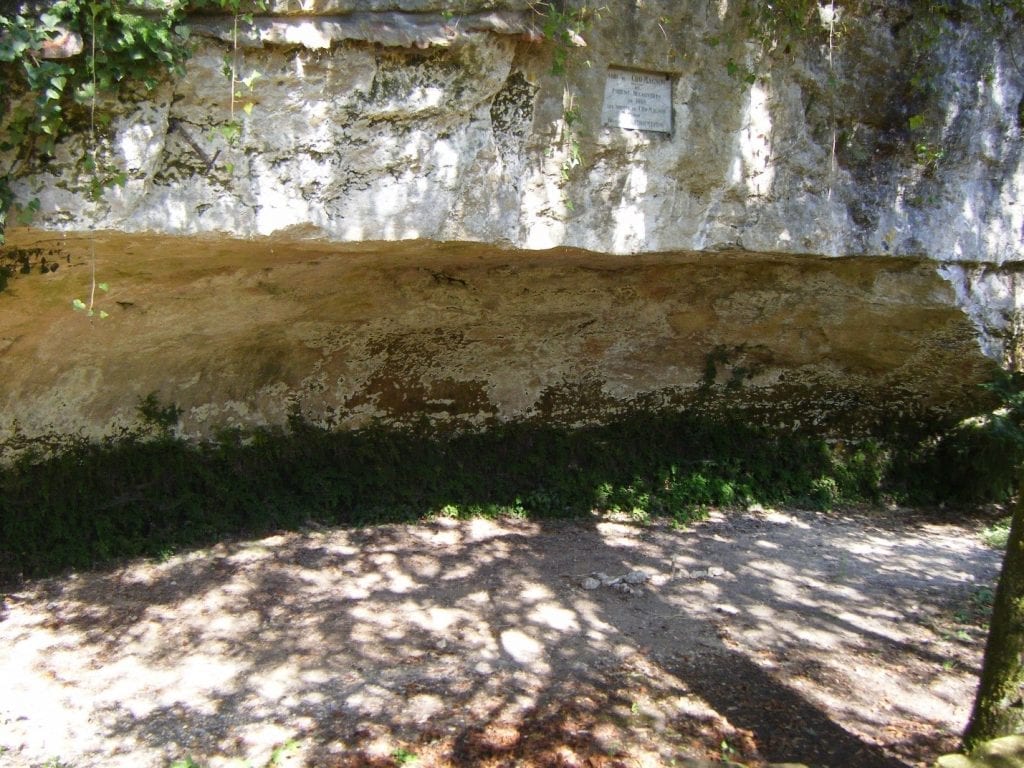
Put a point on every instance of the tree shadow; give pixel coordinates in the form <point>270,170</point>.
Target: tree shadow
<point>473,642</point>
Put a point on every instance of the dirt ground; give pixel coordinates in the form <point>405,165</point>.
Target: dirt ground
<point>842,639</point>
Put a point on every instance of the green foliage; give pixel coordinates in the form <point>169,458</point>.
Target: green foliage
<point>89,309</point>
<point>739,72</point>
<point>564,27</point>
<point>403,756</point>
<point>976,460</point>
<point>124,44</point>
<point>570,142</point>
<point>232,130</point>
<point>160,418</point>
<point>682,495</point>
<point>997,534</point>
<point>1008,387</point>
<point>281,751</point>
<point>127,45</point>
<point>977,610</point>
<point>42,99</point>
<point>824,492</point>
<point>72,502</point>
<point>776,21</point>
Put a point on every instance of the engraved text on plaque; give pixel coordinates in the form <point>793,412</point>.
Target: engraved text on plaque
<point>638,100</point>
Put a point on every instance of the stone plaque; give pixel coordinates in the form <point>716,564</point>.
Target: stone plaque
<point>638,100</point>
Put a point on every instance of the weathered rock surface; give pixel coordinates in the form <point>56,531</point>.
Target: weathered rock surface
<point>242,332</point>
<point>398,120</point>
<point>454,127</point>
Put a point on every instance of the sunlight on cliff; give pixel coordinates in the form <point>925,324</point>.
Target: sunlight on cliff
<point>280,209</point>
<point>308,34</point>
<point>544,210</point>
<point>758,170</point>
<point>630,228</point>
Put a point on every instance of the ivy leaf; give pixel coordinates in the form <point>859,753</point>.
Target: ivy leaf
<point>78,305</point>
<point>104,315</point>
<point>11,50</point>
<point>85,92</point>
<point>103,286</point>
<point>251,78</point>
<point>247,107</point>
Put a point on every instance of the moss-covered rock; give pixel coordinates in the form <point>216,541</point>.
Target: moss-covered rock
<point>1007,752</point>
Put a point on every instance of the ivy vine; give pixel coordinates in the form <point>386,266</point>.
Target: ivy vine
<point>57,59</point>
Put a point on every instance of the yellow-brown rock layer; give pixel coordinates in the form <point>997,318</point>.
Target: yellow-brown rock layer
<point>240,333</point>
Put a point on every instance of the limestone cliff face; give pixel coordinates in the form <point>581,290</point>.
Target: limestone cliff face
<point>390,120</point>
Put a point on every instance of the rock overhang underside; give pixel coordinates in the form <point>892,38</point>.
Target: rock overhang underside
<point>244,334</point>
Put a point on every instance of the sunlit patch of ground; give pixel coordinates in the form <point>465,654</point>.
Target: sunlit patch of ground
<point>827,639</point>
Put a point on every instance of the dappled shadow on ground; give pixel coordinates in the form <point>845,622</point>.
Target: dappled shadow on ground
<point>756,637</point>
